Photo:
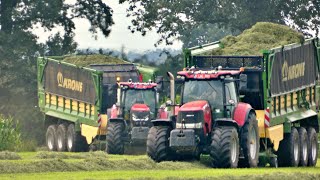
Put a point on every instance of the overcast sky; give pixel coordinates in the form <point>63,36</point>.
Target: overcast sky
<point>120,35</point>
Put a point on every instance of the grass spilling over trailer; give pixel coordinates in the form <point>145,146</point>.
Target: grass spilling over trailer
<point>99,165</point>
<point>86,60</point>
<point>261,36</point>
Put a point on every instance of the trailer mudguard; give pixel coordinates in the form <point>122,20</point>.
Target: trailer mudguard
<point>241,113</point>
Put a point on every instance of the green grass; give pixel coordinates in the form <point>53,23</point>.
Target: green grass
<point>98,165</point>
<point>257,173</point>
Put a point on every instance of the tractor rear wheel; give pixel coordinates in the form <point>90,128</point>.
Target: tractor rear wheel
<point>289,149</point>
<point>61,138</point>
<point>303,135</point>
<point>114,139</point>
<point>250,142</point>
<point>51,139</point>
<point>158,143</point>
<point>313,146</point>
<point>75,142</point>
<point>225,147</point>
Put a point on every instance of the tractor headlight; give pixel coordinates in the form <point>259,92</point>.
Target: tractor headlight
<point>146,118</point>
<point>136,118</point>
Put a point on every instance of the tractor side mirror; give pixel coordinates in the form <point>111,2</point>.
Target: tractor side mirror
<point>243,82</point>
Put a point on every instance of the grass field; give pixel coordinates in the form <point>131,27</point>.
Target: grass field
<point>98,165</point>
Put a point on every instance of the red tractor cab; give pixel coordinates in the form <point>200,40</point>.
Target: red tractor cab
<point>130,119</point>
<point>210,120</point>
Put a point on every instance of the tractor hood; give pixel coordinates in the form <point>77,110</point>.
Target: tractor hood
<point>194,106</point>
<point>140,108</point>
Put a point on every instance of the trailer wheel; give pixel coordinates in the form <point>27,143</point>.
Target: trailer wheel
<point>289,151</point>
<point>313,146</point>
<point>51,140</point>
<point>225,147</point>
<point>303,136</point>
<point>61,137</point>
<point>250,142</point>
<point>75,142</point>
<point>115,143</point>
<point>158,143</point>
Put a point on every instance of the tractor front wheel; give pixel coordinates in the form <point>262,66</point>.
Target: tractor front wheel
<point>114,139</point>
<point>225,147</point>
<point>158,143</point>
<point>250,142</point>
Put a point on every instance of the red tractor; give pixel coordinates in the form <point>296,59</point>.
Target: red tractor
<point>210,120</point>
<point>130,119</point>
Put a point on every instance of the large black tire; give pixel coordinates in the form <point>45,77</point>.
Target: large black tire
<point>303,136</point>
<point>289,149</point>
<point>225,147</point>
<point>75,142</point>
<point>158,143</point>
<point>313,146</point>
<point>115,144</point>
<point>250,142</point>
<point>51,139</point>
<point>61,136</point>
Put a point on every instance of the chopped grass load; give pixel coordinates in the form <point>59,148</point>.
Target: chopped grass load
<point>261,36</point>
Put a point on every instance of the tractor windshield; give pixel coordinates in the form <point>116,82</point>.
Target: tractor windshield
<point>210,90</point>
<point>140,96</point>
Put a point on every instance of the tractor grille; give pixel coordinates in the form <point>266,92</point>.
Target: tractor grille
<point>190,116</point>
<point>140,118</point>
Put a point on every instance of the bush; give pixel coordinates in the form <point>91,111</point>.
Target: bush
<point>10,137</point>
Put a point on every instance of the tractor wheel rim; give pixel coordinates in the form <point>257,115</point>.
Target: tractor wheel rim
<point>305,149</point>
<point>314,148</point>
<point>253,144</point>
<point>296,149</point>
<point>233,150</point>
<point>70,139</point>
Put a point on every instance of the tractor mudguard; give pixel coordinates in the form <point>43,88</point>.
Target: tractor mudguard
<point>118,120</point>
<point>241,113</point>
<point>226,122</point>
<point>162,122</point>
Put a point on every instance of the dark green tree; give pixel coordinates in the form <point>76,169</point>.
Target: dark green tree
<point>173,18</point>
<point>304,15</point>
<point>57,45</point>
<point>19,49</point>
